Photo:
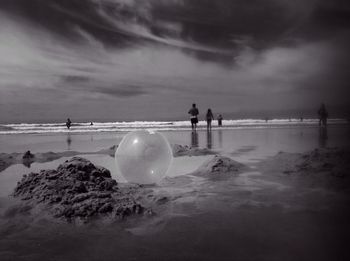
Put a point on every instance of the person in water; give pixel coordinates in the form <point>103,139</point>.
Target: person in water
<point>209,117</point>
<point>323,115</point>
<point>194,116</point>
<point>68,123</point>
<point>220,118</point>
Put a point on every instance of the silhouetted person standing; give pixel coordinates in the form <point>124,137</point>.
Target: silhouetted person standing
<point>220,118</point>
<point>323,115</point>
<point>68,123</point>
<point>209,117</point>
<point>194,116</point>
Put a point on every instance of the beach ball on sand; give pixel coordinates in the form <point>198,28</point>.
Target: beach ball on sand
<point>143,157</point>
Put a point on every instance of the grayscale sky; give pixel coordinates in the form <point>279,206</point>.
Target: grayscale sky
<point>151,59</point>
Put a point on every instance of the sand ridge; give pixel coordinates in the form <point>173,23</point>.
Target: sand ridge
<point>27,158</point>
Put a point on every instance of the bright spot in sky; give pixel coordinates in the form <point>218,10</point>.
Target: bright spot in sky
<point>143,157</point>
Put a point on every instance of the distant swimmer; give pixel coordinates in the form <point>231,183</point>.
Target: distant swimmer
<point>209,117</point>
<point>322,115</point>
<point>91,123</point>
<point>68,123</point>
<point>194,116</point>
<point>220,118</point>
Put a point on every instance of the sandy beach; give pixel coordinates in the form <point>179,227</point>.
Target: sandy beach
<point>174,130</point>
<point>253,194</point>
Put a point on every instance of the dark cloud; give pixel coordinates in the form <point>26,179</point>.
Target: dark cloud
<point>62,17</point>
<point>328,20</point>
<point>90,85</point>
<point>213,23</point>
<point>220,24</point>
<point>73,79</point>
<point>125,90</point>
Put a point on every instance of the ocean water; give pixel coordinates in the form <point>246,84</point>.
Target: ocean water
<point>86,127</point>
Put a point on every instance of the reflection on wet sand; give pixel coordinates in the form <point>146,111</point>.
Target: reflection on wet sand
<point>194,139</point>
<point>209,139</point>
<point>69,141</point>
<point>220,138</point>
<point>27,163</point>
<point>322,137</point>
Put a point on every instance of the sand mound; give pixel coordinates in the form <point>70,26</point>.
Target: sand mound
<point>180,150</point>
<point>6,160</point>
<point>219,166</point>
<point>78,189</point>
<point>27,158</point>
<point>327,167</point>
<point>110,151</point>
<point>333,160</point>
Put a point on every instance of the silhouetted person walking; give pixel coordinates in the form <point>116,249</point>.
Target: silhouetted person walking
<point>209,117</point>
<point>323,115</point>
<point>194,116</point>
<point>220,118</point>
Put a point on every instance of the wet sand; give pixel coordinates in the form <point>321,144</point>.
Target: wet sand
<point>261,142</point>
<point>261,213</point>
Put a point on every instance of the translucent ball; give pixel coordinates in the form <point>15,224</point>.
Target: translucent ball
<point>143,157</point>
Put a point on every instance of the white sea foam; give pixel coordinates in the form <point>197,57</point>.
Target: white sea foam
<point>32,128</point>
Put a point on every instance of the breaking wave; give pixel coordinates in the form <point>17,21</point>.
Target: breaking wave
<point>34,128</point>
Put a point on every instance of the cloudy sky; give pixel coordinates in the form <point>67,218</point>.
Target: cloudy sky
<point>151,59</point>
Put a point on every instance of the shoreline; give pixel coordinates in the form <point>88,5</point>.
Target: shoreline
<point>122,127</point>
